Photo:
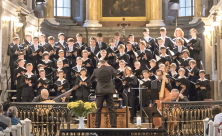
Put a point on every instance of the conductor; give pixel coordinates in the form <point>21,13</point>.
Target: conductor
<point>104,90</point>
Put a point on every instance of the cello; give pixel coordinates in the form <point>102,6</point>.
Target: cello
<point>164,93</point>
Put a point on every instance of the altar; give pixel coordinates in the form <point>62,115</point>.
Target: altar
<point>105,121</point>
<point>121,117</point>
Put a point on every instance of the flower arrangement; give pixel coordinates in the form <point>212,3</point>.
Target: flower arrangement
<point>81,109</point>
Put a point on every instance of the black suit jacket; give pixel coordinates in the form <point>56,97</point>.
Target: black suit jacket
<point>104,76</point>
<point>197,48</point>
<point>184,39</point>
<point>59,44</point>
<point>151,42</point>
<point>82,90</point>
<point>157,85</point>
<point>34,59</point>
<point>129,86</point>
<point>103,47</point>
<point>26,89</point>
<point>168,42</point>
<point>120,42</point>
<point>76,44</point>
<point>144,62</point>
<point>41,87</point>
<point>13,57</point>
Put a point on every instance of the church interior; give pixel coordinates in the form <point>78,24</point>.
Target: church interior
<point>110,67</point>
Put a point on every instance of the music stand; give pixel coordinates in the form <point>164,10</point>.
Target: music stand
<point>140,97</point>
<point>152,112</point>
<point>152,94</point>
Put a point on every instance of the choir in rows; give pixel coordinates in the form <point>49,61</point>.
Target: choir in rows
<point>60,66</point>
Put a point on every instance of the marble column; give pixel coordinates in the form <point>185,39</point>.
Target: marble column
<point>29,6</point>
<point>91,14</point>
<point>49,12</point>
<point>156,13</point>
<point>198,11</point>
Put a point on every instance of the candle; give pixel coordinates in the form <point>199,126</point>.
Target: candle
<point>138,121</point>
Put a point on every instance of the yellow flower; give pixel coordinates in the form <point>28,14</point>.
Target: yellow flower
<point>93,104</point>
<point>87,105</point>
<point>80,102</point>
<point>72,105</point>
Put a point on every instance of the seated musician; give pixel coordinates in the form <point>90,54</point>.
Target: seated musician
<point>175,95</point>
<point>203,88</point>
<point>156,84</point>
<point>44,96</point>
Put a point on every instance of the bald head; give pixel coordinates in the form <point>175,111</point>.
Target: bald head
<point>44,94</point>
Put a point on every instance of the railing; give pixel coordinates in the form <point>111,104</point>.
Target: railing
<point>113,132</point>
<point>47,118</point>
<point>186,118</point>
<point>22,129</point>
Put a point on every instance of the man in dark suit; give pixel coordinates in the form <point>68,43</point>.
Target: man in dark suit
<point>117,39</point>
<point>195,48</point>
<point>93,49</point>
<point>61,43</point>
<point>14,50</point>
<point>167,41</point>
<point>144,60</point>
<point>135,45</point>
<point>35,54</point>
<point>150,42</point>
<point>26,44</point>
<point>104,90</point>
<point>100,42</point>
<point>79,44</point>
<point>42,40</point>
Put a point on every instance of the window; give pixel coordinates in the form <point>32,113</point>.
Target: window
<point>186,8</point>
<point>62,8</point>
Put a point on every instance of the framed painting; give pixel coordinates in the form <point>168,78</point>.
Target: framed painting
<point>131,10</point>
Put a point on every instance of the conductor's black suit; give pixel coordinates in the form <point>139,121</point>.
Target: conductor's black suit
<point>106,87</point>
